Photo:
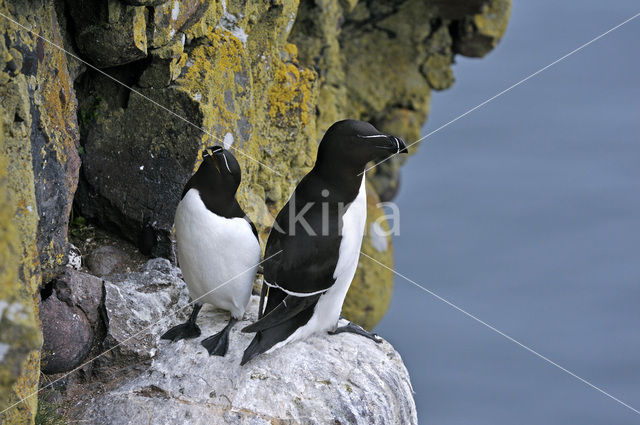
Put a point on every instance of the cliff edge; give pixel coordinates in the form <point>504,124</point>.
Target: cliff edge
<point>342,378</point>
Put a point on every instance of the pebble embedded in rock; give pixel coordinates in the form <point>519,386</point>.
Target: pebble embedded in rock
<point>106,260</point>
<point>75,257</point>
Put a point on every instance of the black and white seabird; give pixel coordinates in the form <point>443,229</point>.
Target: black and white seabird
<point>218,248</point>
<point>318,234</point>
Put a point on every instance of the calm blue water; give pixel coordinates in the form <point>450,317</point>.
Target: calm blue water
<point>526,213</point>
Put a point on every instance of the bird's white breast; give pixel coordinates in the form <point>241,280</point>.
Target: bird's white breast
<point>218,256</point>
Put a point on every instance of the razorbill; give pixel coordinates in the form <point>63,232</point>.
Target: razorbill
<point>218,248</point>
<point>319,232</point>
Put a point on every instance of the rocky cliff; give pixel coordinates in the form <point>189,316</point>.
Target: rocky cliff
<point>118,123</point>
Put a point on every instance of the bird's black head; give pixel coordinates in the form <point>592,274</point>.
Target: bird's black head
<point>355,143</point>
<point>218,173</point>
<point>224,163</point>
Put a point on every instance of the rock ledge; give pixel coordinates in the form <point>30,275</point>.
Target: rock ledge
<point>325,379</point>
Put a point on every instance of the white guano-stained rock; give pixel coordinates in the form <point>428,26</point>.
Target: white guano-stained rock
<point>340,379</point>
<point>136,304</point>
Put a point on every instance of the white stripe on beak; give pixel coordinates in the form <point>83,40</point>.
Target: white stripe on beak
<point>373,137</point>
<point>225,162</point>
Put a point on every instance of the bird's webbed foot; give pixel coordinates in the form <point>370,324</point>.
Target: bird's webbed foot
<point>186,330</point>
<point>353,328</point>
<point>218,344</point>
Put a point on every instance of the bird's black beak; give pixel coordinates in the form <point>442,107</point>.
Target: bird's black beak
<point>212,152</point>
<point>393,144</point>
<point>389,143</point>
<point>400,145</point>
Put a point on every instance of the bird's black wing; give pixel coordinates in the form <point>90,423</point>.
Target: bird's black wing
<point>303,269</point>
<point>288,308</point>
<point>297,262</point>
<point>301,257</point>
<point>303,253</point>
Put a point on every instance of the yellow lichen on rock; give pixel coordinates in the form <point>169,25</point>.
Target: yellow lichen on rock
<point>38,175</point>
<point>209,79</point>
<point>209,76</point>
<point>292,51</point>
<point>493,20</point>
<point>20,338</point>
<point>289,96</point>
<point>477,35</point>
<point>140,28</point>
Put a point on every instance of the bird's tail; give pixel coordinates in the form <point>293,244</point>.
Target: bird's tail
<point>267,338</point>
<point>258,345</point>
<point>278,324</point>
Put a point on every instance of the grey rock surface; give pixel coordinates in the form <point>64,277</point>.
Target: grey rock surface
<point>326,379</point>
<point>134,185</point>
<point>109,33</point>
<point>106,260</point>
<point>138,304</point>
<point>80,289</point>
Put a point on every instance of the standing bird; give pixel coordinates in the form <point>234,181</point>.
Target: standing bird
<point>218,248</point>
<point>318,234</point>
